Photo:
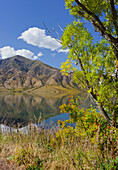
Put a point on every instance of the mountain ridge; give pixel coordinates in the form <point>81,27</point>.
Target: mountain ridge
<point>20,72</point>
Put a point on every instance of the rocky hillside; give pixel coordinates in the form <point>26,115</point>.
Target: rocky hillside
<point>19,72</point>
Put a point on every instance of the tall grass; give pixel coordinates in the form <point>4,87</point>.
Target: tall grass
<point>49,149</point>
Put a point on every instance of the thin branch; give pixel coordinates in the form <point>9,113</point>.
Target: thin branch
<point>56,32</point>
<point>51,33</point>
<point>60,28</point>
<point>114,16</point>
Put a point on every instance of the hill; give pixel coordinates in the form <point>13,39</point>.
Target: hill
<point>20,73</point>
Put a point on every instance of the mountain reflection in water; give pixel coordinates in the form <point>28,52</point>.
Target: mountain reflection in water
<point>24,108</point>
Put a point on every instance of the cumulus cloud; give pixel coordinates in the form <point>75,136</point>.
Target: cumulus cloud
<point>25,53</point>
<point>35,57</point>
<point>8,51</point>
<point>63,51</point>
<point>40,54</point>
<point>38,37</point>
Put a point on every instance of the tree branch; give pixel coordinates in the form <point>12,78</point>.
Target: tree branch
<point>100,107</point>
<point>96,22</point>
<point>51,33</point>
<point>61,28</point>
<point>114,16</point>
<point>91,14</point>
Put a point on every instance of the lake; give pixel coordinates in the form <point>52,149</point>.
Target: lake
<point>18,108</point>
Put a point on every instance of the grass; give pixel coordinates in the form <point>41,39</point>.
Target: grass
<point>53,91</point>
<point>44,91</point>
<point>42,149</point>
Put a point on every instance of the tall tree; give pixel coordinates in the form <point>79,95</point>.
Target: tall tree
<point>98,63</point>
<point>103,14</point>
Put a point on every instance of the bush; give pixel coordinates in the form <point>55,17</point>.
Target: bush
<point>92,129</point>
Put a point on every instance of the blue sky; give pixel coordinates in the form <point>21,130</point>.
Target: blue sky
<point>22,31</point>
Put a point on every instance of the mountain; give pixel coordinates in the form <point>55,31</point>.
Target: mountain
<point>19,72</point>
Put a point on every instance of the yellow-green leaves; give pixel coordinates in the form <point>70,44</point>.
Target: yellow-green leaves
<point>93,64</point>
<point>92,10</point>
<point>67,67</point>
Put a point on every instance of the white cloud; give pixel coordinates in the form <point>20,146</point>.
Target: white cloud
<point>35,57</point>
<point>25,53</point>
<point>63,51</point>
<point>8,51</point>
<point>40,54</point>
<point>38,37</point>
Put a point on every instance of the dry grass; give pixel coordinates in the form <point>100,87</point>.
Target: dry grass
<point>43,150</point>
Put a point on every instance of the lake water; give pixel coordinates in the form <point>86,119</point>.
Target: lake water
<point>25,108</point>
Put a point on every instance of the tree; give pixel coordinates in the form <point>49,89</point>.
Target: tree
<point>103,15</point>
<point>97,62</point>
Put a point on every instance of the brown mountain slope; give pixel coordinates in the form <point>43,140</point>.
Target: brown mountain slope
<point>18,72</point>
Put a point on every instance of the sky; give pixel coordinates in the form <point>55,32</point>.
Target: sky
<point>22,31</point>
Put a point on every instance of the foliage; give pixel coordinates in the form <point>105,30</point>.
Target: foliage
<point>58,149</point>
<point>102,15</point>
<point>91,127</point>
<point>93,66</point>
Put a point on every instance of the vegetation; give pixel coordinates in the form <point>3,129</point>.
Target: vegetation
<point>67,148</point>
<point>95,130</point>
<point>94,64</point>
<point>102,15</point>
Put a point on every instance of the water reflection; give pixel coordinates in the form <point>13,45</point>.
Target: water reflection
<point>23,108</point>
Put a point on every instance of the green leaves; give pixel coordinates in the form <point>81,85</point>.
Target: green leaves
<point>93,64</point>
<point>91,10</point>
<point>66,67</point>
